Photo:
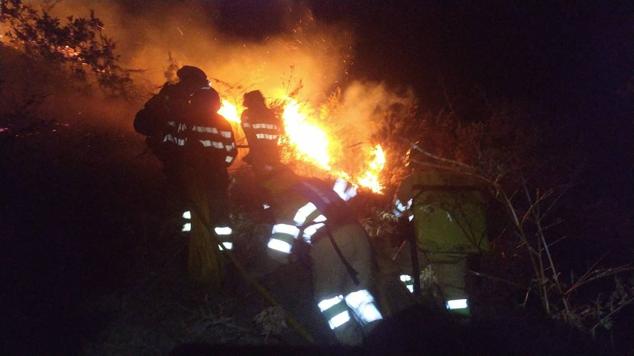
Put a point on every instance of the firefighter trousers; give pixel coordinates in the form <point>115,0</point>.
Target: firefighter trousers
<point>349,308</point>
<point>203,191</point>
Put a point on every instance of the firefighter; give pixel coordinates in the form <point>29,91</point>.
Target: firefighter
<point>447,210</point>
<point>311,216</point>
<point>262,128</point>
<point>195,145</point>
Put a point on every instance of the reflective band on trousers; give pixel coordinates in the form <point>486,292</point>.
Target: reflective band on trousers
<point>187,227</point>
<point>227,246</point>
<point>335,311</point>
<point>228,159</point>
<point>223,230</point>
<point>408,281</point>
<point>457,304</point>
<point>226,134</point>
<point>304,212</point>
<point>187,214</point>
<point>344,190</point>
<point>362,304</point>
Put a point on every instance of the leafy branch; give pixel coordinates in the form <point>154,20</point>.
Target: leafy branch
<point>77,42</point>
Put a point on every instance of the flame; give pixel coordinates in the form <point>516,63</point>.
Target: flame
<point>312,143</point>
<point>308,139</point>
<point>229,111</point>
<point>370,178</point>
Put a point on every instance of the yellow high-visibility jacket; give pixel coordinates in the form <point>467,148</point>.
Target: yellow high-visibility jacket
<point>448,211</point>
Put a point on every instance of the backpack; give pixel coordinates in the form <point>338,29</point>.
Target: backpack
<point>150,121</point>
<point>146,123</point>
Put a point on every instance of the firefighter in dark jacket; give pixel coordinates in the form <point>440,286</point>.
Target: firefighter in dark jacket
<point>447,210</point>
<point>195,145</point>
<point>262,128</point>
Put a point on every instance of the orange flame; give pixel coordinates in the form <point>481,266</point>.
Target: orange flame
<point>309,140</point>
<point>311,143</point>
<point>229,111</point>
<point>371,177</point>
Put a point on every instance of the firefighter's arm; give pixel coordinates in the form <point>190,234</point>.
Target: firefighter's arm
<point>281,241</point>
<point>403,198</point>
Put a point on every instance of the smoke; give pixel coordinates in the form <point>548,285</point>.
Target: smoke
<point>358,118</point>
<point>314,53</point>
<point>303,53</point>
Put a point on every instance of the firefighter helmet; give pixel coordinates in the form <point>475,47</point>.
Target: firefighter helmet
<point>191,73</point>
<point>254,99</point>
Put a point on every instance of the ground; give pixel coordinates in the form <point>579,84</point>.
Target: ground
<point>98,267</point>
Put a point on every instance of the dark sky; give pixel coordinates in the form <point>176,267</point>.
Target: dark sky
<point>568,64</point>
<point>557,54</point>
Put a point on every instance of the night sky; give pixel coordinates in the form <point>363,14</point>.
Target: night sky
<point>568,65</point>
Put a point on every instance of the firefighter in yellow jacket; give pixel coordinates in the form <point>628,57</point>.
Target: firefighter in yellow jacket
<point>309,211</point>
<point>447,210</point>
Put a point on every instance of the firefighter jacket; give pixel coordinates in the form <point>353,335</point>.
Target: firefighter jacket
<point>311,212</point>
<point>181,118</point>
<point>301,208</point>
<point>262,129</point>
<point>448,211</point>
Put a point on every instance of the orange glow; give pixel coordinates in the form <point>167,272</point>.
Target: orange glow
<point>309,140</point>
<point>370,178</point>
<point>312,143</point>
<point>229,111</point>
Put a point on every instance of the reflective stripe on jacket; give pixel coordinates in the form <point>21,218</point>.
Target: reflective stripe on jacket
<point>301,207</point>
<point>192,122</point>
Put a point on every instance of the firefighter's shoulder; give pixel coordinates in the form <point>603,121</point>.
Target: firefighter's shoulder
<point>221,122</point>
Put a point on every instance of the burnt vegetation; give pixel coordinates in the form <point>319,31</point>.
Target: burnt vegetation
<point>96,263</point>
